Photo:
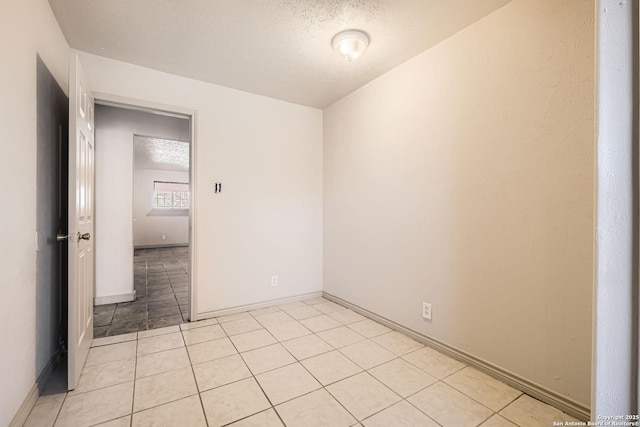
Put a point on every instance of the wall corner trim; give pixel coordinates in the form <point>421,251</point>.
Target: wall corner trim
<point>535,390</point>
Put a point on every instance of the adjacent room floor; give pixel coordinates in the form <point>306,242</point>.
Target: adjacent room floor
<point>305,363</point>
<point>161,280</point>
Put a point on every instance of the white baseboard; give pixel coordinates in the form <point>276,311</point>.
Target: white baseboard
<point>256,306</point>
<point>169,245</point>
<point>26,407</point>
<point>33,395</point>
<point>531,388</point>
<point>113,299</point>
<point>44,376</point>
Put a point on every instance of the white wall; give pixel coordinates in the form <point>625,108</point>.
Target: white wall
<point>268,156</point>
<point>27,28</point>
<point>115,128</point>
<point>148,229</point>
<point>464,178</point>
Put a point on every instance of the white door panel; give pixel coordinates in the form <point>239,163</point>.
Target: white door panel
<point>81,241</point>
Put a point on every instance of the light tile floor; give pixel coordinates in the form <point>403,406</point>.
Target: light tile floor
<point>309,363</point>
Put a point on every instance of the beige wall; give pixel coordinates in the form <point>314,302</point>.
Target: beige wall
<point>27,28</point>
<point>464,178</point>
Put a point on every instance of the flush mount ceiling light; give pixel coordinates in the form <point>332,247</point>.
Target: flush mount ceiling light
<point>350,43</point>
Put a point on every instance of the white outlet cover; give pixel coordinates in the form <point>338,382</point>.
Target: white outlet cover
<point>426,310</point>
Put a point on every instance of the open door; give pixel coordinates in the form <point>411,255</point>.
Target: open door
<point>81,184</point>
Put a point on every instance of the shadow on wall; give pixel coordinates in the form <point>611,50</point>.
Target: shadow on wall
<point>51,219</point>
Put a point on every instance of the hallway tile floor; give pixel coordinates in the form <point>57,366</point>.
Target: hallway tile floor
<point>161,279</point>
<point>306,363</point>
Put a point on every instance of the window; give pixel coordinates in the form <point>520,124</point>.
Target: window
<point>171,195</point>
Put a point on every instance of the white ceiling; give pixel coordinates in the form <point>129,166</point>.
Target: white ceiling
<point>277,48</point>
<point>159,153</point>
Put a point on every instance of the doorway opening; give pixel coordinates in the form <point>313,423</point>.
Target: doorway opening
<point>143,219</point>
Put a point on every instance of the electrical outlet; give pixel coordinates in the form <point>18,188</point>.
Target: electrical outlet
<point>274,281</point>
<point>426,310</point>
<point>164,237</point>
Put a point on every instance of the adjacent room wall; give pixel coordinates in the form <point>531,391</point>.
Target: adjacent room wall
<point>268,156</point>
<point>464,178</point>
<point>27,29</point>
<point>148,228</point>
<point>115,128</point>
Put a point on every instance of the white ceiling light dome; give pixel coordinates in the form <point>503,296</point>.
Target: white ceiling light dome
<point>350,43</point>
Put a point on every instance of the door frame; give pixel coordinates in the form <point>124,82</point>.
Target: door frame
<point>153,107</point>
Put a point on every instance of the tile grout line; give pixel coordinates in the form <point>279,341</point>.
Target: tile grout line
<point>442,380</point>
<point>55,420</point>
<point>253,375</point>
<point>372,376</point>
<point>296,361</point>
<point>419,368</point>
<point>277,342</point>
<point>133,391</point>
<point>367,371</point>
<point>465,394</point>
<point>156,374</point>
<point>204,413</point>
<point>322,386</point>
<point>299,361</point>
<point>438,380</point>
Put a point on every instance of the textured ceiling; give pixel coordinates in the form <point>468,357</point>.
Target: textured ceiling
<point>158,153</point>
<point>277,48</point>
